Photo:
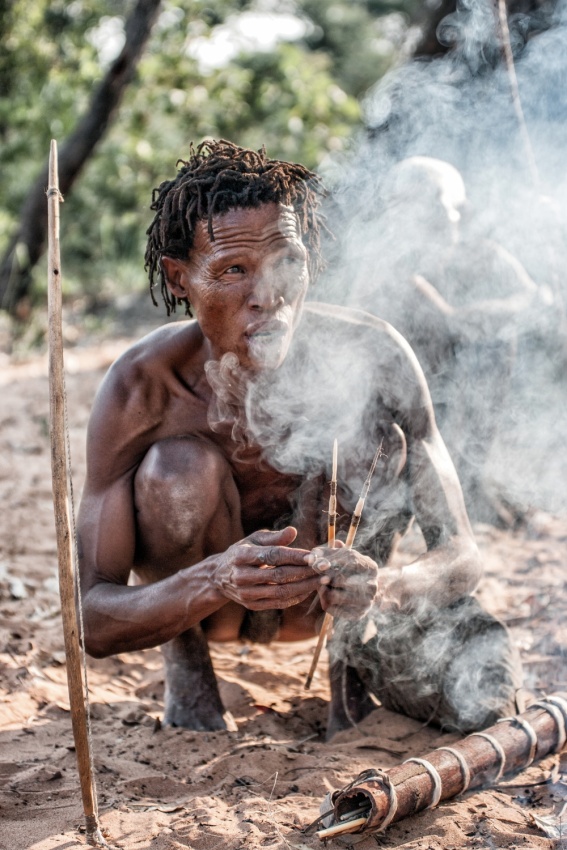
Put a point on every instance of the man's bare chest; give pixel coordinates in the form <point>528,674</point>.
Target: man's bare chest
<point>266,494</point>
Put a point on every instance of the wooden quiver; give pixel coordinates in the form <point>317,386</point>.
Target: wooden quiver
<point>480,759</point>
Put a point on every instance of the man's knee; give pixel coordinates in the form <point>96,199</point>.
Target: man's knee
<point>184,486</point>
<point>457,669</point>
<point>482,680</point>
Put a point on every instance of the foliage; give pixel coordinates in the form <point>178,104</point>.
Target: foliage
<point>299,99</point>
<point>362,37</point>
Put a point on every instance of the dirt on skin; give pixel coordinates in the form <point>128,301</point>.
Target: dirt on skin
<point>259,786</point>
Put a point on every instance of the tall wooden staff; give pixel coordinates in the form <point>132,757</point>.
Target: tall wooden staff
<point>61,507</point>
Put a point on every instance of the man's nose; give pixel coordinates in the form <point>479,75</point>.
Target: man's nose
<point>266,294</point>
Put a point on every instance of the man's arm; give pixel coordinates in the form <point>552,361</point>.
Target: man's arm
<point>450,568</point>
<point>121,618</point>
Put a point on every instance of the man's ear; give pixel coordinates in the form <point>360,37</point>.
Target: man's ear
<point>174,272</point>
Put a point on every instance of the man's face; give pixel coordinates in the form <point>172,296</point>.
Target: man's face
<point>247,287</point>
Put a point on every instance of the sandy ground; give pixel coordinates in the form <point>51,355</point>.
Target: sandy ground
<point>257,787</point>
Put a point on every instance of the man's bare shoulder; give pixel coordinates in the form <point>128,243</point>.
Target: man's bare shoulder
<point>373,346</point>
<point>350,315</point>
<point>379,339</point>
<point>160,349</point>
<point>153,363</point>
<point>147,393</point>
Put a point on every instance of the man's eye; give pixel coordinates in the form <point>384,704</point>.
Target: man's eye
<point>234,270</point>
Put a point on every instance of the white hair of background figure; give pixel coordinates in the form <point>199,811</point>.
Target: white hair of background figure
<point>427,178</point>
<point>428,193</point>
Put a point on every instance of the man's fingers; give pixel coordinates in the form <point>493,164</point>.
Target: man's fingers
<point>251,577</point>
<point>270,556</point>
<point>332,600</point>
<point>340,561</point>
<point>364,583</point>
<point>270,538</point>
<point>337,603</point>
<point>278,595</point>
<point>320,565</point>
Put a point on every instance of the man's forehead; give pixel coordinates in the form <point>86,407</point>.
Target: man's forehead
<point>248,224</point>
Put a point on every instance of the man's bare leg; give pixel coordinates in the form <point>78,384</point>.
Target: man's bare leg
<point>192,696</point>
<point>454,667</point>
<point>188,508</point>
<point>350,701</point>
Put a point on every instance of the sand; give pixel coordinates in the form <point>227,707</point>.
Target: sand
<point>259,786</point>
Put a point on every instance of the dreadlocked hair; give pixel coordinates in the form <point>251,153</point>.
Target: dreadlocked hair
<point>219,176</point>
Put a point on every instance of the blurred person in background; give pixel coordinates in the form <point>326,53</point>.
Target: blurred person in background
<point>461,300</point>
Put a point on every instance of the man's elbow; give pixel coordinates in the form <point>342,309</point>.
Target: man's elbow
<point>467,568</point>
<point>96,646</point>
<point>96,641</point>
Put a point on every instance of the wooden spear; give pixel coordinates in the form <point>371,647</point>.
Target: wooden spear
<point>332,525</point>
<point>331,530</point>
<point>377,798</point>
<point>516,100</point>
<point>354,523</point>
<point>63,527</point>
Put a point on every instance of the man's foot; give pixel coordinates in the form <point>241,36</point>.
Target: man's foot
<point>192,698</point>
<point>350,701</point>
<point>200,718</point>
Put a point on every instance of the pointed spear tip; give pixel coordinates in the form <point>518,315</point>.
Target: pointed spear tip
<point>53,167</point>
<point>377,456</point>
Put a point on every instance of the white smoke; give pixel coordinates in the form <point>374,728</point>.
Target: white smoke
<point>475,281</point>
<point>504,281</point>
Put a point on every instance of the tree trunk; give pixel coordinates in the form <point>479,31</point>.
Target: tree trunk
<point>28,243</point>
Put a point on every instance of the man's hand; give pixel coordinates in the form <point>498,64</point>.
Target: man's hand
<point>349,580</point>
<point>263,571</point>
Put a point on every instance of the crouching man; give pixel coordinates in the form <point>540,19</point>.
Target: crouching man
<point>199,523</point>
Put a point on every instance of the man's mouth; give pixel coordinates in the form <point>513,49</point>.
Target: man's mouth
<point>267,342</point>
<point>266,332</point>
